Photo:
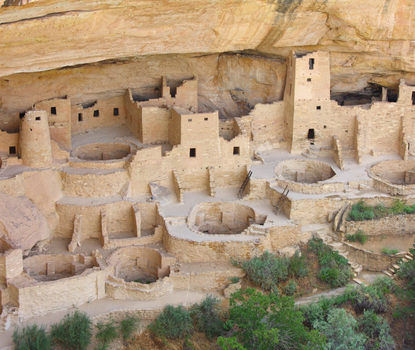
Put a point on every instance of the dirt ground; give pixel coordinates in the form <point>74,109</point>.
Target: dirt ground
<point>402,243</point>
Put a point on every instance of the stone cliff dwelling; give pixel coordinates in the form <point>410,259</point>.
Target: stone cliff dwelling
<point>123,197</point>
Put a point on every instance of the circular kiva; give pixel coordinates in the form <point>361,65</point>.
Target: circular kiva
<point>223,218</point>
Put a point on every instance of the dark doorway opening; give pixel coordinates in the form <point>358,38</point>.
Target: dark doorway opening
<point>310,134</point>
<point>413,97</point>
<point>80,118</point>
<point>192,152</point>
<point>311,63</point>
<point>12,150</point>
<point>116,111</point>
<point>96,113</point>
<point>236,150</point>
<point>53,110</point>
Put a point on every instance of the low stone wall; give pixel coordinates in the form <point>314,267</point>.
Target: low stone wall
<point>108,164</point>
<point>118,288</point>
<point>211,280</point>
<point>314,188</point>
<point>391,225</point>
<point>371,261</point>
<point>188,250</point>
<point>40,298</point>
<point>38,264</point>
<point>389,176</point>
<point>93,185</point>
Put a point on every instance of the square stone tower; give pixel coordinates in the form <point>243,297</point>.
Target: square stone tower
<point>307,100</point>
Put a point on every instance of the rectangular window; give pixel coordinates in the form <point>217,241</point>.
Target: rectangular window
<point>53,110</point>
<point>96,113</point>
<point>206,118</point>
<point>413,97</point>
<point>318,107</point>
<point>12,150</point>
<point>37,118</point>
<point>308,79</point>
<point>80,117</point>
<point>311,63</point>
<point>192,153</point>
<point>189,120</point>
<point>116,112</point>
<point>236,150</point>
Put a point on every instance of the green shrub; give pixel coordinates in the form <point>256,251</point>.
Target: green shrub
<point>267,270</point>
<point>388,251</point>
<point>107,332</point>
<point>357,237</point>
<point>128,326</point>
<point>360,212</point>
<point>102,347</point>
<point>409,209</point>
<point>298,266</point>
<point>263,322</point>
<point>32,337</point>
<point>207,317</point>
<point>173,323</point>
<point>290,288</point>
<point>341,331</point>
<point>234,279</point>
<point>366,298</point>
<point>74,331</point>
<point>334,268</point>
<point>398,207</point>
<point>377,331</point>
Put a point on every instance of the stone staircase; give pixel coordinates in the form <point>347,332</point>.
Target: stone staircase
<point>312,152</point>
<point>339,247</point>
<point>394,268</point>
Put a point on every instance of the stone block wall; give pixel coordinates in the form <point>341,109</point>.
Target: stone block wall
<point>99,115</point>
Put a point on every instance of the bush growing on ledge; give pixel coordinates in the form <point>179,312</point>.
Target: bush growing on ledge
<point>173,323</point>
<point>357,237</point>
<point>128,326</point>
<point>31,338</point>
<point>388,251</point>
<point>267,270</point>
<point>360,211</point>
<point>74,331</point>
<point>207,317</point>
<point>334,268</point>
<point>107,332</point>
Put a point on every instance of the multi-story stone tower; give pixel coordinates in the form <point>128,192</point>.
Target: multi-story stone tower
<point>307,100</point>
<point>35,144</point>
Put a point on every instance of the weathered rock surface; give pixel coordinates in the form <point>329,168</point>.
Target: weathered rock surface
<point>22,225</point>
<point>138,41</point>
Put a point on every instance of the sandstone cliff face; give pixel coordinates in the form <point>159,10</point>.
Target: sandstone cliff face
<point>369,41</point>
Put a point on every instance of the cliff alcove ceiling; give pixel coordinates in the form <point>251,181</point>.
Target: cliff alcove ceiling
<point>83,48</point>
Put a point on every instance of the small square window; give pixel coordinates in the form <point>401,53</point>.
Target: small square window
<point>308,79</point>
<point>189,120</point>
<point>12,150</point>
<point>318,107</point>
<point>325,126</point>
<point>96,113</point>
<point>192,153</point>
<point>80,117</point>
<point>37,118</point>
<point>206,119</point>
<point>53,110</point>
<point>116,111</point>
<point>236,150</point>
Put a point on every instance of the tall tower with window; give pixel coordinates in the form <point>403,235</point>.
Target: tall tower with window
<point>35,144</point>
<point>307,101</point>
